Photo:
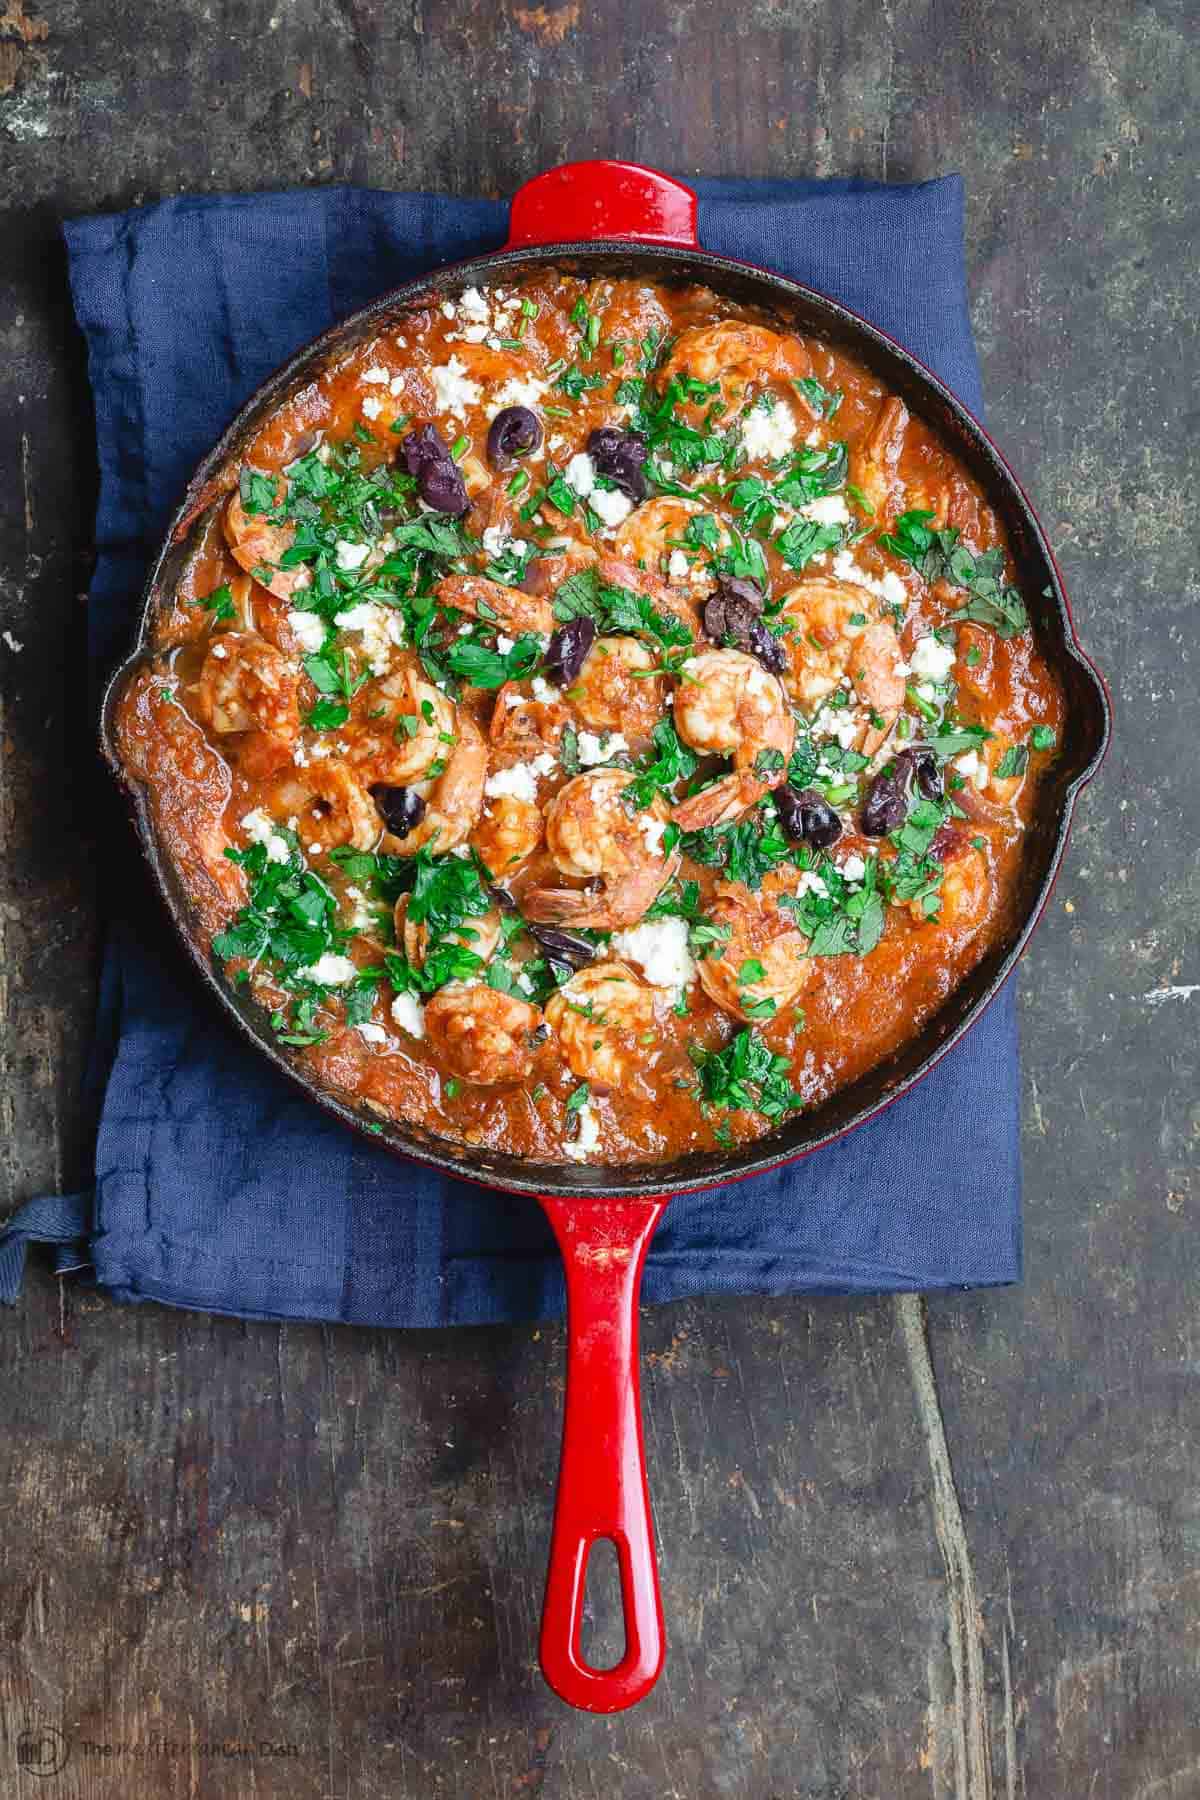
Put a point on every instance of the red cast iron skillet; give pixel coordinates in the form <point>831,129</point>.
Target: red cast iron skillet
<point>619,219</point>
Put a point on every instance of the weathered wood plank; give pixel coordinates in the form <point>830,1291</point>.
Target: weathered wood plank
<point>336,1538</point>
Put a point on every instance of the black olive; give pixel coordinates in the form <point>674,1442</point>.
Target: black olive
<point>400,807</point>
<point>926,769</point>
<point>733,615</point>
<point>502,899</point>
<point>619,455</point>
<point>424,445</point>
<point>441,486</point>
<point>886,805</point>
<point>767,647</point>
<point>728,621</point>
<point>736,587</point>
<point>514,432</point>
<point>565,948</point>
<point>567,649</point>
<point>806,818</point>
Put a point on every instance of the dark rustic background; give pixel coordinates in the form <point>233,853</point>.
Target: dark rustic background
<point>955,1554</point>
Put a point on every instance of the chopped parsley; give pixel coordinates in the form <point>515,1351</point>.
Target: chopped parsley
<point>618,610</point>
<point>940,556</point>
<point>745,1076</point>
<point>822,400</point>
<point>668,762</point>
<point>1015,761</point>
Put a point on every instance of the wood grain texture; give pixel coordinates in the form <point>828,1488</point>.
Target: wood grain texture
<point>904,1554</point>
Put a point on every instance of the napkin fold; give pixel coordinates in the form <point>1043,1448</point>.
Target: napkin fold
<point>217,1185</point>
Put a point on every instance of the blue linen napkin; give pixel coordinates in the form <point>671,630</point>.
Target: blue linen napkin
<point>218,1186</point>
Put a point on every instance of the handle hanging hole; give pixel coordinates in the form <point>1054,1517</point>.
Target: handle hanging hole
<point>602,1641</point>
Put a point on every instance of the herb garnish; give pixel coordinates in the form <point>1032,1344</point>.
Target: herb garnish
<point>940,556</point>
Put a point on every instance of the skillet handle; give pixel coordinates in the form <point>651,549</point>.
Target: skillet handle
<point>580,201</point>
<point>602,1489</point>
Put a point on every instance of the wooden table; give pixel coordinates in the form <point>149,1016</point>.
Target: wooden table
<point>905,1550</point>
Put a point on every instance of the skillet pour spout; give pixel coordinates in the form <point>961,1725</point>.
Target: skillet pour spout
<point>624,220</point>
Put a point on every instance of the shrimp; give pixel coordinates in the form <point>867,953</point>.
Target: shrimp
<point>257,545</point>
<point>734,355</point>
<point>245,684</point>
<point>523,727</point>
<point>453,799</point>
<point>965,890</point>
<point>616,571</point>
<point>831,637</point>
<point>401,724</point>
<point>1001,788</point>
<point>330,806</point>
<point>479,935</point>
<point>480,1034</point>
<point>656,528</point>
<point>604,1021</point>
<point>510,608</point>
<point>727,704</point>
<point>762,963</point>
<point>559,558</point>
<point>615,689</point>
<point>507,835</point>
<point>590,833</point>
<point>873,462</point>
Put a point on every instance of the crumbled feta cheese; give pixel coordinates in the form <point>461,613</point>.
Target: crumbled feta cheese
<point>409,1014</point>
<point>495,538</point>
<point>371,1033</point>
<point>972,767</point>
<point>382,631</point>
<point>220,651</point>
<point>611,504</point>
<point>396,385</point>
<point>503,644</point>
<point>260,829</point>
<point>932,659</point>
<point>888,587</point>
<point>518,390</point>
<point>371,408</point>
<point>330,970</point>
<point>545,690</point>
<point>810,883</point>
<point>661,947</point>
<point>581,474</point>
<point>454,389</point>
<point>474,304</point>
<point>588,1136</point>
<point>600,748</point>
<point>854,867</point>
<point>308,629</point>
<point>768,433</point>
<point>678,566</point>
<point>830,509</point>
<point>361,917</point>
<point>926,692</point>
<point>652,833</point>
<point>350,557</point>
<point>519,782</point>
<point>376,375</point>
<point>449,310</point>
